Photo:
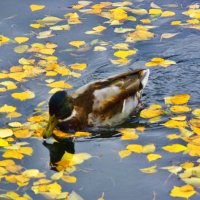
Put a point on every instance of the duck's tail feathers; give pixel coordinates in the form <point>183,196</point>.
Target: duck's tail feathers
<point>145,76</point>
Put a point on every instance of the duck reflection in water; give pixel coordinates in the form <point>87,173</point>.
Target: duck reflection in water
<point>58,149</point>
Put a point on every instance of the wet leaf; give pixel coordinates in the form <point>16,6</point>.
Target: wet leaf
<point>69,179</point>
<point>36,7</point>
<point>3,40</point>
<point>22,133</point>
<point>79,66</point>
<point>149,170</point>
<point>7,109</point>
<point>77,43</point>
<point>21,39</point>
<point>175,124</point>
<point>180,109</point>
<point>12,154</point>
<point>21,48</point>
<point>185,191</point>
<point>168,14</point>
<point>152,111</point>
<point>5,132</point>
<point>3,143</point>
<point>177,99</point>
<point>125,53</point>
<point>22,96</point>
<point>60,84</point>
<point>128,134</point>
<point>175,148</point>
<point>124,153</point>
<point>153,157</point>
<point>135,148</point>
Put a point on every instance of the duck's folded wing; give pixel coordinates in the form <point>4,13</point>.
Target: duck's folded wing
<point>100,95</point>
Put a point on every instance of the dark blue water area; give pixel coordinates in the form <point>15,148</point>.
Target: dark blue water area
<point>106,172</point>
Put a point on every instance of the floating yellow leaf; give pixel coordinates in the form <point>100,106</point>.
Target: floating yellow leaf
<point>47,51</point>
<point>196,112</point>
<point>128,134</point>
<point>149,148</point>
<point>136,148</point>
<point>152,111</point>
<point>15,124</point>
<point>36,118</point>
<point>60,84</point>
<point>3,143</point>
<point>22,96</point>
<point>123,46</point>
<point>175,23</point>
<point>167,14</point>
<point>175,124</point>
<point>21,48</point>
<point>96,30</point>
<point>26,150</point>
<point>21,39</point>
<point>60,27</point>
<point>173,136</point>
<point>152,157</point>
<point>175,148</point>
<point>160,62</point>
<point>49,20</point>
<point>35,25</point>
<point>79,66</point>
<point>149,170</point>
<point>12,154</point>
<point>77,43</point>
<point>5,132</point>
<point>13,115</point>
<point>155,11</point>
<point>45,34</point>
<point>36,7</point>
<point>168,35</point>
<point>7,109</point>
<point>124,153</point>
<point>100,48</point>
<point>177,99</point>
<point>187,165</point>
<point>22,133</point>
<point>180,109</point>
<point>185,191</point>
<point>57,175</point>
<point>9,85</point>
<point>3,40</point>
<point>125,53</point>
<point>69,179</point>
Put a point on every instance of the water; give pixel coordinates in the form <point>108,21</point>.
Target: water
<point>105,172</point>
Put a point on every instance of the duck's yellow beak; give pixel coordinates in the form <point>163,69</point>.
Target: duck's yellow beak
<point>50,126</point>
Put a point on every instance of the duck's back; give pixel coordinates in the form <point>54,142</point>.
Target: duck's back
<point>110,101</point>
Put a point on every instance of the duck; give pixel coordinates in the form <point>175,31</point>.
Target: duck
<point>103,103</point>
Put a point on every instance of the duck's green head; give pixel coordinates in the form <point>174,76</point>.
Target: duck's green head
<point>60,107</point>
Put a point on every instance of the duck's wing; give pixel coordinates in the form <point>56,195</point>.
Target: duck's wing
<point>100,95</point>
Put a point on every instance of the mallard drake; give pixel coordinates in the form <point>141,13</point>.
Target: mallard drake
<point>102,103</point>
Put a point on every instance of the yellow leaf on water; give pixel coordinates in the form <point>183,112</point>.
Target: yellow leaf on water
<point>149,170</point>
<point>136,148</point>
<point>175,148</point>
<point>36,7</point>
<point>196,112</point>
<point>180,109</point>
<point>69,179</point>
<point>22,133</point>
<point>60,84</point>
<point>123,46</point>
<point>21,39</point>
<point>152,111</point>
<point>179,118</point>
<point>100,48</point>
<point>13,115</point>
<point>22,96</point>
<point>45,34</point>
<point>185,191</point>
<point>155,11</point>
<point>26,150</point>
<point>35,25</point>
<point>167,14</point>
<point>47,51</point>
<point>57,175</point>
<point>168,35</point>
<point>15,124</point>
<point>149,148</point>
<point>7,109</point>
<point>77,43</point>
<point>9,85</point>
<point>128,134</point>
<point>79,66</point>
<point>3,40</point>
<point>5,132</point>
<point>36,118</point>
<point>12,154</point>
<point>3,143</point>
<point>124,153</point>
<point>125,53</point>
<point>21,48</point>
<point>152,157</point>
<point>187,165</point>
<point>177,99</point>
<point>175,124</point>
<point>173,136</point>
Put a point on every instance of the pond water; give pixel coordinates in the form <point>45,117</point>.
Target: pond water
<point>105,173</point>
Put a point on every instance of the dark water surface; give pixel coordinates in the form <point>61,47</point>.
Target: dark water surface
<point>106,172</point>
